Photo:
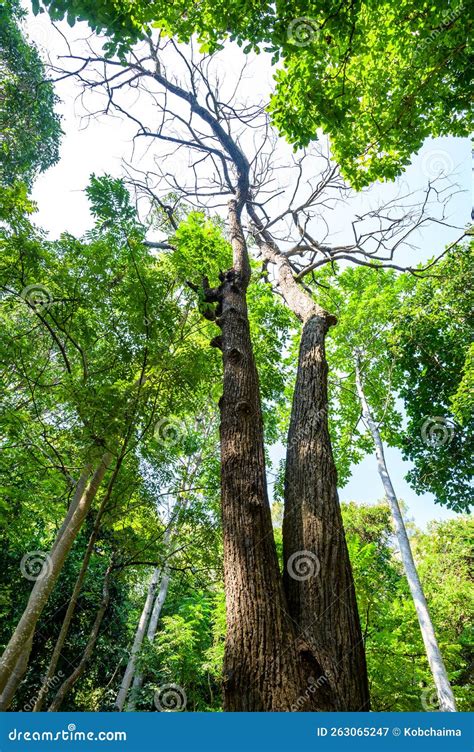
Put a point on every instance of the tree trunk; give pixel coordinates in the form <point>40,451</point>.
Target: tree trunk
<point>192,468</point>
<point>21,665</point>
<point>75,595</point>
<point>68,683</point>
<point>45,583</point>
<point>435,660</point>
<point>137,642</point>
<point>266,667</point>
<point>151,633</point>
<point>317,576</point>
<point>16,676</point>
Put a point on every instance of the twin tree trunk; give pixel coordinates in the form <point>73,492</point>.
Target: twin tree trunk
<point>435,659</point>
<point>268,665</point>
<point>317,577</point>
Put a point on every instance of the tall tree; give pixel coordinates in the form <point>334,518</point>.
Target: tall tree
<point>214,129</point>
<point>440,677</point>
<point>64,366</point>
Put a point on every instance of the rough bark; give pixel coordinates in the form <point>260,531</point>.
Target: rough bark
<point>446,699</point>
<point>317,576</point>
<point>71,680</point>
<point>44,584</point>
<point>266,667</point>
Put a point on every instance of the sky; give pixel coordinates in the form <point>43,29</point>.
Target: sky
<point>99,146</point>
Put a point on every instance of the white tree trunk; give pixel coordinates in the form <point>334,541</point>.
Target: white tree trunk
<point>153,604</point>
<point>435,660</point>
<point>137,642</point>
<point>151,632</point>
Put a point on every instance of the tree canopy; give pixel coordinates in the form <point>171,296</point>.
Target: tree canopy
<point>378,78</point>
<point>29,127</point>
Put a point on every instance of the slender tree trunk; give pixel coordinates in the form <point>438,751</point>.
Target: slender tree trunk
<point>137,642</point>
<point>21,665</point>
<point>435,660</point>
<point>317,576</point>
<point>75,595</point>
<point>151,634</point>
<point>16,676</point>
<point>45,583</point>
<point>266,666</point>
<point>68,683</point>
<point>159,603</point>
<point>153,610</point>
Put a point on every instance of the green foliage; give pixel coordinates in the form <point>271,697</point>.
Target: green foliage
<point>378,78</point>
<point>102,344</point>
<point>399,674</point>
<point>365,300</point>
<point>188,650</point>
<point>201,249</point>
<point>432,340</point>
<point>413,337</point>
<point>29,128</point>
